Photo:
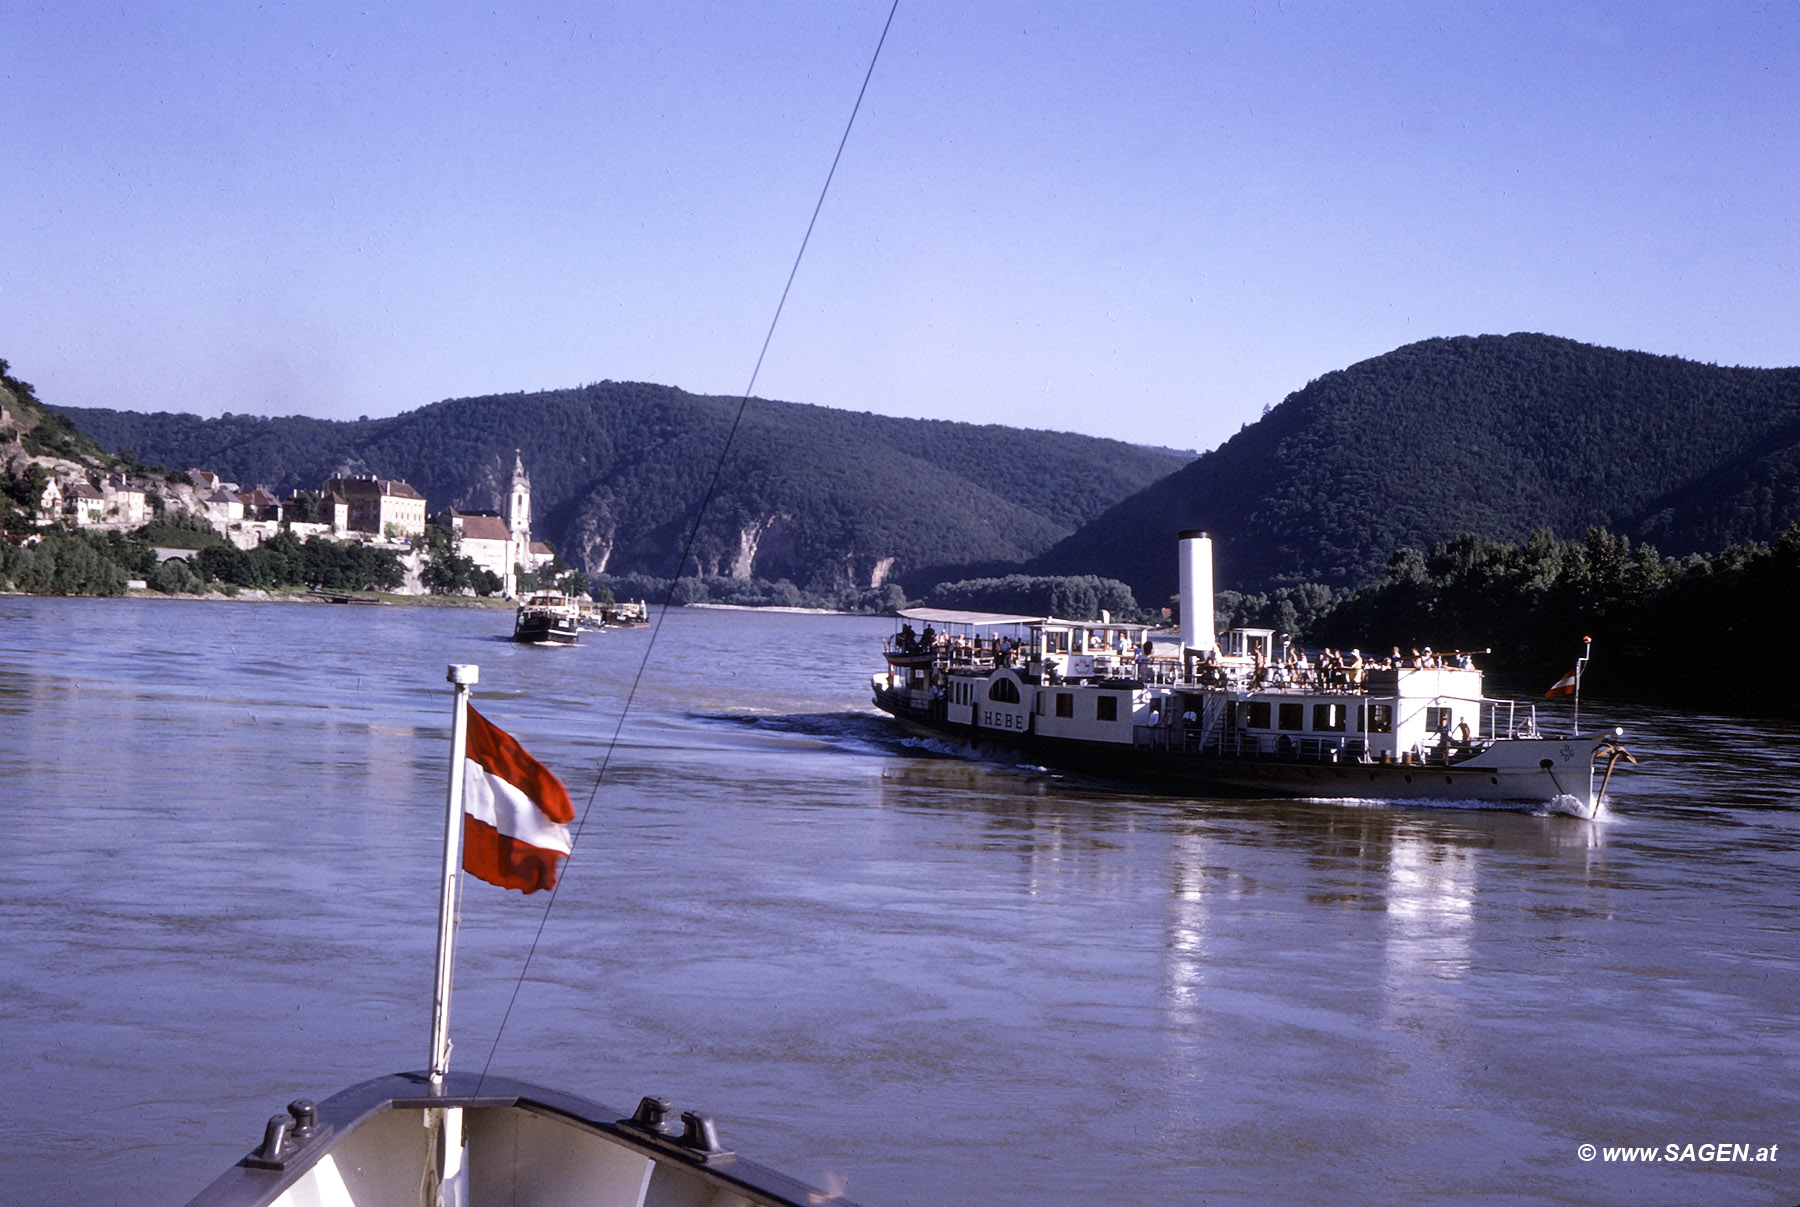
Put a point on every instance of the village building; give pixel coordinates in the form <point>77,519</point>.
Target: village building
<point>223,507</point>
<point>259,504</point>
<point>484,540</point>
<point>50,503</point>
<point>380,506</point>
<point>86,503</point>
<point>325,514</point>
<point>500,541</point>
<point>125,503</point>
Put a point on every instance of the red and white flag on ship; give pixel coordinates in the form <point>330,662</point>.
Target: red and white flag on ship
<point>1564,686</point>
<point>516,813</point>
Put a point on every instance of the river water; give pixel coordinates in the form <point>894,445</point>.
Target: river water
<point>906,977</point>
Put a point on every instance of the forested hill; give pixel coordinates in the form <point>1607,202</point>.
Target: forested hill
<point>1496,435</point>
<point>824,498</point>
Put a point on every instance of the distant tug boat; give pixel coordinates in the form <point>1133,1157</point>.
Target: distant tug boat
<point>618,615</point>
<point>547,618</point>
<point>1239,717</point>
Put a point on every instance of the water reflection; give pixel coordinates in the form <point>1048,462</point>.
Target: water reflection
<point>1429,925</point>
<point>1184,969</point>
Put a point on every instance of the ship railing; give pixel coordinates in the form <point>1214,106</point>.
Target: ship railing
<point>1295,747</point>
<point>1177,737</point>
<point>1440,753</point>
<point>1285,747</point>
<point>1518,721</point>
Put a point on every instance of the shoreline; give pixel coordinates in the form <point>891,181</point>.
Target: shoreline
<point>368,598</point>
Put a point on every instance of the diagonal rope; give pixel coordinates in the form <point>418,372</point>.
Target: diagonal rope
<point>688,547</point>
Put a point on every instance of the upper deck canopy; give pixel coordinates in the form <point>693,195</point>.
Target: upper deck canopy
<point>946,616</point>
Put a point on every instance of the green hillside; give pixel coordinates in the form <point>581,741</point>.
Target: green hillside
<point>822,497</point>
<point>1499,435</point>
<point>30,429</point>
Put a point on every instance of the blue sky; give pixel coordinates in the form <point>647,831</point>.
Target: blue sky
<point>1148,221</point>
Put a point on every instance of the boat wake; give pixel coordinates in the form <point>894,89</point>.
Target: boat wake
<point>846,732</point>
<point>1562,806</point>
<point>1571,806</point>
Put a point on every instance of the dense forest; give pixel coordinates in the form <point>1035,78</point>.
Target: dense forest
<point>1500,435</point>
<point>826,499</point>
<point>1664,629</point>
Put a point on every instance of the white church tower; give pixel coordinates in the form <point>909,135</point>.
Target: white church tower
<point>518,523</point>
<point>518,505</point>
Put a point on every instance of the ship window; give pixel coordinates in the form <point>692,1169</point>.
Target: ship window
<point>1381,718</point>
<point>1057,641</point>
<point>1257,714</point>
<point>1328,718</point>
<point>1003,691</point>
<point>1437,720</point>
<point>1106,708</point>
<point>1292,717</point>
<point>1065,704</point>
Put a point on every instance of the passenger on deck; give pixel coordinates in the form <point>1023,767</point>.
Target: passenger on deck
<point>1354,666</point>
<point>909,640</point>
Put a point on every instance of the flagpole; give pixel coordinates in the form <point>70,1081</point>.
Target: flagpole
<point>462,676</point>
<point>1587,649</point>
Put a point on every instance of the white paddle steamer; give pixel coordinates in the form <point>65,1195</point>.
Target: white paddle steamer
<point>1236,713</point>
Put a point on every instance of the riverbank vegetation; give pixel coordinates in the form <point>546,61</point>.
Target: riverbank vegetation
<point>93,563</point>
<point>1700,631</point>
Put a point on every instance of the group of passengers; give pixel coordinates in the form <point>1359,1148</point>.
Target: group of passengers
<point>918,643</point>
<point>1338,670</point>
<point>958,647</point>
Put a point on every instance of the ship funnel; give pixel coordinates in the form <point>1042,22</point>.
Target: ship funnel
<point>1196,591</point>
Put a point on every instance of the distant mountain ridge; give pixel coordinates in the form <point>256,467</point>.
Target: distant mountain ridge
<point>1497,435</point>
<point>824,498</point>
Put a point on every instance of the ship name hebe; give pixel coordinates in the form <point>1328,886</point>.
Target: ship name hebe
<point>1001,720</point>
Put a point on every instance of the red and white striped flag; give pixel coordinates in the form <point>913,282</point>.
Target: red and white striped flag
<point>1564,686</point>
<point>516,813</point>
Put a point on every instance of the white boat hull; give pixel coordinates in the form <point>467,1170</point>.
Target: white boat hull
<point>371,1146</point>
<point>1553,772</point>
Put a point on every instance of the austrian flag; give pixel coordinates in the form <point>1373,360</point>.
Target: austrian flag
<point>516,814</point>
<point>1564,686</point>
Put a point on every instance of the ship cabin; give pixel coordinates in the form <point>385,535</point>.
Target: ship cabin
<point>1249,696</point>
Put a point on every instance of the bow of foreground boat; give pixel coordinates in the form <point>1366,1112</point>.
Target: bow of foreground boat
<point>377,1143</point>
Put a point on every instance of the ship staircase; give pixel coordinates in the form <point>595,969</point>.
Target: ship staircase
<point>1212,722</point>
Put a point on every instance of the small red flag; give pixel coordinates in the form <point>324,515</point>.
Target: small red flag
<point>1564,686</point>
<point>516,813</point>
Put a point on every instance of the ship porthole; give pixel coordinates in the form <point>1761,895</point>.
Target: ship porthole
<point>1493,779</point>
<point>1449,780</point>
<point>1409,779</point>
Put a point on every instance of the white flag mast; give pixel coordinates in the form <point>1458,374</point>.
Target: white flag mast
<point>449,887</point>
<point>1587,649</point>
<point>449,1183</point>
